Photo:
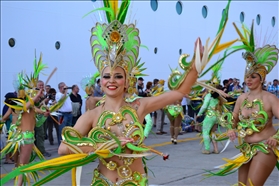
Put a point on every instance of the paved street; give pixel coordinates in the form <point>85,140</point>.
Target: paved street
<point>185,166</point>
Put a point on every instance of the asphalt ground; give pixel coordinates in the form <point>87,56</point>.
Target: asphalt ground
<point>185,166</point>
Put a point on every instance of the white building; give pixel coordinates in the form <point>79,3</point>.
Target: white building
<point>39,25</point>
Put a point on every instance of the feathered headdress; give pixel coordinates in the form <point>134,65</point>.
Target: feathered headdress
<point>259,60</point>
<point>88,83</point>
<point>27,84</point>
<point>115,44</point>
<point>134,74</point>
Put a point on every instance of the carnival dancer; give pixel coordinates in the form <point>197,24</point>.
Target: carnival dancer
<point>252,117</point>
<point>196,98</point>
<point>159,120</point>
<point>24,109</point>
<point>213,107</point>
<point>88,85</point>
<point>113,131</point>
<point>175,115</point>
<point>21,134</point>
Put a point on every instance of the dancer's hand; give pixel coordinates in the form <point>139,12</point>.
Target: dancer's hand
<point>125,140</point>
<point>200,47</point>
<point>271,142</point>
<point>231,134</point>
<point>38,95</point>
<point>47,113</point>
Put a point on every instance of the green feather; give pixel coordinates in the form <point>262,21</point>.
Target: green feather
<point>144,46</point>
<point>222,25</point>
<point>108,11</point>
<point>123,11</point>
<point>252,42</point>
<point>108,14</point>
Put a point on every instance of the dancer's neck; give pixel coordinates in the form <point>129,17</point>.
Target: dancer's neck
<point>114,104</point>
<point>255,92</point>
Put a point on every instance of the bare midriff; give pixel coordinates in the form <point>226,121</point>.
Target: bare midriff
<point>263,135</point>
<point>112,175</point>
<point>28,121</point>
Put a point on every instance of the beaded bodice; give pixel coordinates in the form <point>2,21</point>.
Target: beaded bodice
<point>132,129</point>
<point>255,121</point>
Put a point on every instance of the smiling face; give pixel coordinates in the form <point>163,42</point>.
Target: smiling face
<point>253,81</point>
<point>113,83</point>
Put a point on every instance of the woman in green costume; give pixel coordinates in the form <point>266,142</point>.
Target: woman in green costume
<point>252,117</point>
<point>115,48</point>
<point>21,137</point>
<point>113,131</point>
<point>175,115</point>
<point>212,107</point>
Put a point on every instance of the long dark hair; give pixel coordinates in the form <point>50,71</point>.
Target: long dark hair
<point>9,97</point>
<point>214,95</point>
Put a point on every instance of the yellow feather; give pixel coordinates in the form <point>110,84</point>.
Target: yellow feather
<point>16,180</point>
<point>276,152</point>
<point>2,175</point>
<point>24,107</point>
<point>221,47</point>
<point>114,6</point>
<point>215,41</point>
<point>74,177</point>
<point>16,107</point>
<point>28,178</point>
<point>103,153</point>
<point>250,182</point>
<point>73,148</point>
<point>15,149</point>
<point>240,35</point>
<point>6,147</point>
<point>38,152</point>
<point>59,160</point>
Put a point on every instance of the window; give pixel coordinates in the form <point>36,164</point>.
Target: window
<point>179,7</point>
<point>273,21</point>
<point>11,42</point>
<point>57,45</point>
<point>242,16</point>
<point>155,50</point>
<point>180,51</point>
<point>204,11</point>
<point>154,5</point>
<point>258,19</point>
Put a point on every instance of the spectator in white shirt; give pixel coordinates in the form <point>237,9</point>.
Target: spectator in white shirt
<point>65,118</point>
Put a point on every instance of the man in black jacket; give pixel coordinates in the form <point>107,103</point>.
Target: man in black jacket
<point>140,87</point>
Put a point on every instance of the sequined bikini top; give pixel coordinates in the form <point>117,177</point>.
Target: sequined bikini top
<point>255,122</point>
<point>101,133</point>
<point>133,129</point>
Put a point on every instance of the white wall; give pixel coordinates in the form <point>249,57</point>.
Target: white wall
<point>38,25</point>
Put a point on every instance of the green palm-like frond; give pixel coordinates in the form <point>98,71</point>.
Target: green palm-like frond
<point>267,56</point>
